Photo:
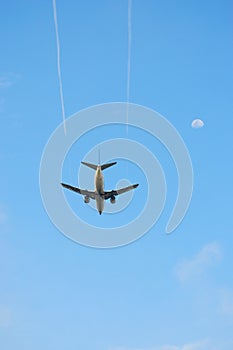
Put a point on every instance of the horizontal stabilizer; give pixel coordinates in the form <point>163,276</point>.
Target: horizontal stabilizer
<point>92,166</point>
<point>105,166</point>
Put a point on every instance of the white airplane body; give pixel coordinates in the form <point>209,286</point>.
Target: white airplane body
<point>99,194</point>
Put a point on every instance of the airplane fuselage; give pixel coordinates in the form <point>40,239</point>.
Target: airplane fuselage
<point>99,189</point>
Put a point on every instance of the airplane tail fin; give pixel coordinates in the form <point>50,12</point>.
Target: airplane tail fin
<point>94,166</point>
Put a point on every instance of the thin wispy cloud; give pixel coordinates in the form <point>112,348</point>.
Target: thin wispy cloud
<point>5,316</point>
<point>206,257</point>
<point>2,215</point>
<point>2,103</point>
<point>200,345</point>
<point>7,80</point>
<point>226,301</point>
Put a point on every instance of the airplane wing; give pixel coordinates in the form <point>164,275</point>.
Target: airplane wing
<point>114,193</point>
<point>90,194</point>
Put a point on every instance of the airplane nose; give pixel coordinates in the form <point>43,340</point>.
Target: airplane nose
<point>100,212</point>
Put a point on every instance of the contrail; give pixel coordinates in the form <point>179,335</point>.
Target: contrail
<point>59,65</point>
<point>128,64</point>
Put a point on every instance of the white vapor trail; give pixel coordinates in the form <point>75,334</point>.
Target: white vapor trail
<point>129,62</point>
<point>59,65</point>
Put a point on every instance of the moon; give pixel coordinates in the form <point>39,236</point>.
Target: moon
<point>197,123</point>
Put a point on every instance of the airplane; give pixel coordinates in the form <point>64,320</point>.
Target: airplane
<point>99,195</point>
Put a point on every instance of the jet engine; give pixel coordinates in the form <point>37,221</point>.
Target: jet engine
<point>86,199</point>
<point>113,199</point>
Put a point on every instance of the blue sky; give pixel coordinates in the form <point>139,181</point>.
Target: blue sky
<point>162,292</point>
